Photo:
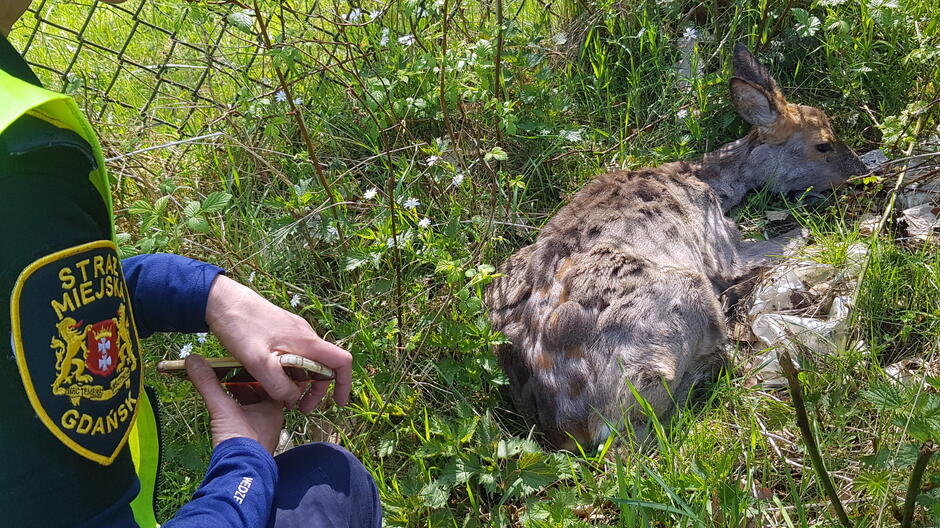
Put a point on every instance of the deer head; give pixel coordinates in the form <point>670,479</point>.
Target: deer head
<point>792,147</point>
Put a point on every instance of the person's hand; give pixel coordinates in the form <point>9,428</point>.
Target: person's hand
<point>256,332</point>
<point>259,421</point>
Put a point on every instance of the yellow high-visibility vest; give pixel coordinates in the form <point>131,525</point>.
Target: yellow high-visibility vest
<point>19,98</point>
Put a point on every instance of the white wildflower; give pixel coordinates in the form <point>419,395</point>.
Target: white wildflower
<point>280,96</point>
<point>433,160</point>
<point>186,350</point>
<point>251,277</point>
<point>354,16</point>
<point>424,223</point>
<point>201,337</point>
<point>298,101</point>
<point>295,300</point>
<point>332,232</point>
<point>458,179</point>
<point>545,132</point>
<point>571,135</point>
<point>390,242</point>
<point>384,40</point>
<point>682,113</point>
<point>690,33</point>
<point>376,14</point>
<point>406,40</point>
<point>411,203</point>
<point>370,194</point>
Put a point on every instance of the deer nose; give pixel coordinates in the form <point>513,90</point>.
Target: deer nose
<point>850,160</point>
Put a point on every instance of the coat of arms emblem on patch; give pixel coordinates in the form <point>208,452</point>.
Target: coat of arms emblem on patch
<point>77,347</point>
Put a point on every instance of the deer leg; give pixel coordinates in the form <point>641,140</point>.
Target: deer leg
<point>758,253</point>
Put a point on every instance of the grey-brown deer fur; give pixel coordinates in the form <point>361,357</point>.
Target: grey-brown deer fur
<point>623,283</point>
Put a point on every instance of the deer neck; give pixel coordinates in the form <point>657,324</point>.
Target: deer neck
<point>733,170</point>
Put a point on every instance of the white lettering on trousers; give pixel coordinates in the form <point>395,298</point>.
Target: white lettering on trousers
<point>242,490</point>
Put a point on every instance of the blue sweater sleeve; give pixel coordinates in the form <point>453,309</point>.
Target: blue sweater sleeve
<point>237,492</point>
<point>168,292</point>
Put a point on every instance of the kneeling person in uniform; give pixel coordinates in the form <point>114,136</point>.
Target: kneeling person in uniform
<point>80,432</point>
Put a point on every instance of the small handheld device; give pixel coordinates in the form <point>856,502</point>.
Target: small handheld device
<point>246,389</point>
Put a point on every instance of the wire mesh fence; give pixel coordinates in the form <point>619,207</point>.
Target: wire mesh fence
<point>104,55</point>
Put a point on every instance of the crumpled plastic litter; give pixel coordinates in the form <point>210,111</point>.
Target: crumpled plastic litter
<point>919,187</point>
<point>923,222</point>
<point>802,306</point>
<point>904,370</point>
<point>868,223</point>
<point>874,158</point>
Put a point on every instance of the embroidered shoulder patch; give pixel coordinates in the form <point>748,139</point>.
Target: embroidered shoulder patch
<point>77,347</point>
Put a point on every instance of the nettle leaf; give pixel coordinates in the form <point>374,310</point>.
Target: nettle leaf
<point>198,224</point>
<point>879,459</point>
<point>434,495</point>
<point>534,474</point>
<point>496,153</point>
<point>884,396</point>
<point>907,456</point>
<point>387,446</point>
<point>459,471</point>
<point>489,481</point>
<point>359,257</point>
<point>466,428</point>
<point>147,244</point>
<point>807,24</point>
<point>243,21</point>
<point>189,456</point>
<point>191,209</point>
<point>430,449</point>
<point>932,404</point>
<point>216,202</point>
<point>523,445</point>
<point>410,485</point>
<point>933,381</point>
<point>140,207</point>
<point>160,205</point>
<point>448,369</point>
<point>917,427</point>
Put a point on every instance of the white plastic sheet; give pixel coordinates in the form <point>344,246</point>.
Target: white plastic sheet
<point>802,306</point>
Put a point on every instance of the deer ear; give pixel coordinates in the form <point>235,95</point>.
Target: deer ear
<point>753,103</point>
<point>746,66</point>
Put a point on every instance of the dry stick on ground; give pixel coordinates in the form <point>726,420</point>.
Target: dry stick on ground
<point>926,451</point>
<point>802,420</point>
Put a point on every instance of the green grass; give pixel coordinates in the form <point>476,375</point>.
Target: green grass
<point>584,86</point>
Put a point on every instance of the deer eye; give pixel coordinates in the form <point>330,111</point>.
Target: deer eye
<point>824,147</point>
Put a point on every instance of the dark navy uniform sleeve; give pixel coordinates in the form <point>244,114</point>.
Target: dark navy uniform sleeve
<point>169,292</point>
<point>237,492</point>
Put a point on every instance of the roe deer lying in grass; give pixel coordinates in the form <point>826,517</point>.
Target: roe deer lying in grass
<point>623,283</point>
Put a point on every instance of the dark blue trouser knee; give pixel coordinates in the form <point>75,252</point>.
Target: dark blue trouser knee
<point>323,485</point>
